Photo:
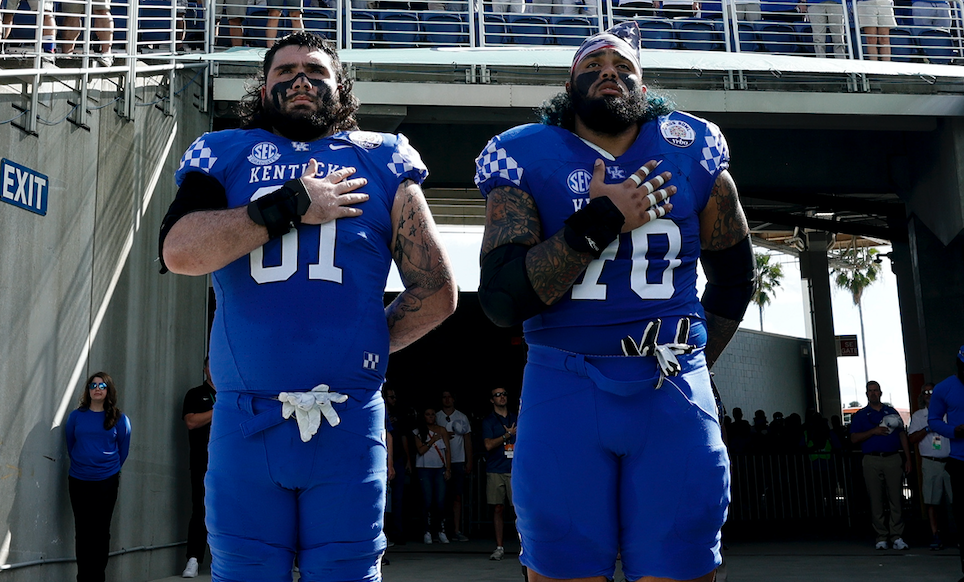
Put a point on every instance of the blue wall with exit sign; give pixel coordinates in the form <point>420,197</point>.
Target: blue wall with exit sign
<point>23,187</point>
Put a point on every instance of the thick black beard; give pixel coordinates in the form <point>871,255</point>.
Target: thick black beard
<point>609,115</point>
<point>299,126</point>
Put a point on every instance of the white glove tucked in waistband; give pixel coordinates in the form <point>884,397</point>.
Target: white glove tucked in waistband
<point>308,408</point>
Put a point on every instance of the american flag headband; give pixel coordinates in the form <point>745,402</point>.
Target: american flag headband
<point>604,41</point>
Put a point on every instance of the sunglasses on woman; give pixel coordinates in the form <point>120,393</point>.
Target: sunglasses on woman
<point>97,386</point>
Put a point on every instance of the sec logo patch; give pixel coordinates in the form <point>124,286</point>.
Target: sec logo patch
<point>578,181</point>
<point>264,153</point>
<point>679,133</point>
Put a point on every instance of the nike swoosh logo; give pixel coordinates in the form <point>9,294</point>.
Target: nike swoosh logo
<point>336,146</point>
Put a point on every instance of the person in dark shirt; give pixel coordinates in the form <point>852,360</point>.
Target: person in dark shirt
<point>197,411</point>
<point>498,430</point>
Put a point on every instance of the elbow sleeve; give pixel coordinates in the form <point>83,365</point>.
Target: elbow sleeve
<point>731,277</point>
<point>505,293</point>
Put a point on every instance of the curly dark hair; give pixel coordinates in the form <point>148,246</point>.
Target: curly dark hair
<point>251,107</point>
<point>111,412</point>
<point>560,111</point>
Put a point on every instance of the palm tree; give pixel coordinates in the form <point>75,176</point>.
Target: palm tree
<point>855,270</point>
<point>768,278</point>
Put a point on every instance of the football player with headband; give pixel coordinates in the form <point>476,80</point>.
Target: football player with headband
<point>298,216</point>
<point>595,220</point>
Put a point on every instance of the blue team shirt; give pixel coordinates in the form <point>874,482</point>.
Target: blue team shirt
<point>493,426</point>
<point>645,274</point>
<point>948,398</point>
<point>95,453</point>
<point>306,308</point>
<point>867,418</point>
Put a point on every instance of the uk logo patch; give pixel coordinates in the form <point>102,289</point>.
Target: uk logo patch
<point>578,181</point>
<point>370,361</point>
<point>679,133</point>
<point>299,146</point>
<point>264,153</point>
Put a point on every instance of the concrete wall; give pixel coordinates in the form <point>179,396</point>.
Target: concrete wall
<point>80,292</point>
<point>766,371</point>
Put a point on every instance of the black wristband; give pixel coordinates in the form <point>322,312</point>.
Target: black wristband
<point>594,226</point>
<point>281,210</point>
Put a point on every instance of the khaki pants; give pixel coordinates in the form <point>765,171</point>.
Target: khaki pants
<point>884,477</point>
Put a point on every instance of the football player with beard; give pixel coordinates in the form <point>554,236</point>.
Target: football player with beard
<point>297,216</point>
<point>595,219</point>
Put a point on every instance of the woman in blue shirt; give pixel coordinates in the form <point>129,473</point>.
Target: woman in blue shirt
<point>98,439</point>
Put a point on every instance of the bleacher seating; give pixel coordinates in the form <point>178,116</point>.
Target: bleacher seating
<point>528,29</point>
<point>903,45</point>
<point>321,21</point>
<point>697,34</point>
<point>155,21</point>
<point>571,30</point>
<point>362,29</point>
<point>444,28</point>
<point>657,33</point>
<point>938,46</point>
<point>777,37</point>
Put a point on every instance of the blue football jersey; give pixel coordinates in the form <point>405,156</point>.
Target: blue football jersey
<point>645,274</point>
<point>306,308</point>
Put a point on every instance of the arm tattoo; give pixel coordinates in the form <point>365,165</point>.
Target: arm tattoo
<point>729,226</point>
<point>419,258</point>
<point>511,217</point>
<point>719,332</point>
<point>553,267</point>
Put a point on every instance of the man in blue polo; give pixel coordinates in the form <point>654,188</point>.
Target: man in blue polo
<point>948,399</point>
<point>879,431</point>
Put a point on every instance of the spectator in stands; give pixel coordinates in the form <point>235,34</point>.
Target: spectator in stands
<point>636,8</point>
<point>792,436</point>
<point>745,10</point>
<point>508,6</point>
<point>49,33</point>
<point>879,431</point>
<point>293,10</point>
<point>876,18</point>
<point>932,14</point>
<point>783,10</point>
<point>680,8</point>
<point>934,451</point>
<point>234,12</point>
<point>824,15</point>
<point>103,27</point>
<point>447,6</point>
<point>573,7</point>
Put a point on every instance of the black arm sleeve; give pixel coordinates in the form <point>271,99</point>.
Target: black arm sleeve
<point>198,191</point>
<point>730,275</point>
<point>505,292</point>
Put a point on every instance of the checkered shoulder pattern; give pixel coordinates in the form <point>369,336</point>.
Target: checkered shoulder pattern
<point>199,156</point>
<point>406,163</point>
<point>496,161</point>
<point>716,155</point>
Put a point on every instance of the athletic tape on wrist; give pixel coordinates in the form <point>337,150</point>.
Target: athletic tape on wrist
<point>281,210</point>
<point>592,228</point>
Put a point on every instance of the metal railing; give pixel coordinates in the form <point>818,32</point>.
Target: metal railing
<point>794,487</point>
<point>167,27</point>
